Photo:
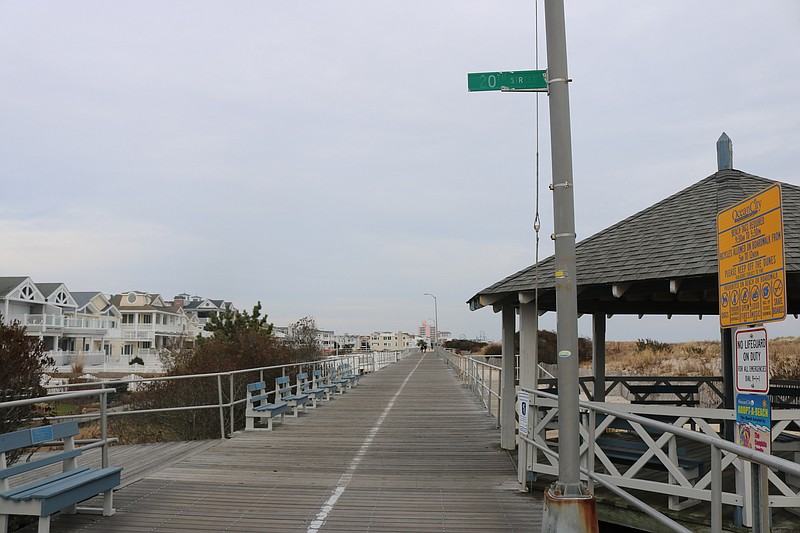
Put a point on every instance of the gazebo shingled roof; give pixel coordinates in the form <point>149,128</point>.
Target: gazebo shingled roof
<point>662,260</point>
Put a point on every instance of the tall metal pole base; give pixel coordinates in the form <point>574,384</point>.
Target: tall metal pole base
<point>568,514</point>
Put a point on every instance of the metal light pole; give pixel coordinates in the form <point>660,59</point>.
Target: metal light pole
<point>569,507</point>
<point>436,318</point>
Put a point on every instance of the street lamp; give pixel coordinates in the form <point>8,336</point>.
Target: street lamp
<point>436,318</point>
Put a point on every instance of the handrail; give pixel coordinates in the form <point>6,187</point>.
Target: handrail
<point>368,362</point>
<point>708,487</point>
<point>648,510</point>
<point>760,501</point>
<point>484,389</point>
<point>103,415</point>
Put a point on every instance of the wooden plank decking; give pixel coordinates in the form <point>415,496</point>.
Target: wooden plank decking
<point>409,449</point>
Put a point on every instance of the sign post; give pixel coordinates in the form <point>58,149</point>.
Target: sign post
<point>569,506</point>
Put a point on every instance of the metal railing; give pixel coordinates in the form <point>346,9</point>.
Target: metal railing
<point>754,472</point>
<point>227,397</point>
<point>756,482</point>
<point>482,378</point>
<point>102,414</point>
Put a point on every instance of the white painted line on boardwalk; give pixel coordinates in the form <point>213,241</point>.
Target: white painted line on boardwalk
<point>327,507</point>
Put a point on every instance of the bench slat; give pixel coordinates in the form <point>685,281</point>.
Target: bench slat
<point>24,437</point>
<point>271,407</point>
<point>14,494</point>
<point>32,465</point>
<point>259,398</point>
<point>51,487</point>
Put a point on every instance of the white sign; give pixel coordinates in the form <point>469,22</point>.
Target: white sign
<point>752,360</point>
<point>524,404</point>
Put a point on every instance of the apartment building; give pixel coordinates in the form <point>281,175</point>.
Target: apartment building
<point>386,341</point>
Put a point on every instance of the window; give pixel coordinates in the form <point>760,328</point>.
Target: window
<point>127,349</point>
<point>131,298</point>
<point>127,318</point>
<point>26,293</point>
<point>145,319</point>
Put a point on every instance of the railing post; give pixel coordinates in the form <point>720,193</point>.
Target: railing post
<point>499,400</point>
<point>716,490</point>
<point>761,511</point>
<point>230,400</point>
<point>221,408</point>
<point>104,427</point>
<point>590,447</point>
<point>489,403</point>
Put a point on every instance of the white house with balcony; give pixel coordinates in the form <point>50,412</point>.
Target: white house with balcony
<point>74,327</point>
<point>94,328</point>
<point>200,310</point>
<point>148,324</point>
<point>22,301</point>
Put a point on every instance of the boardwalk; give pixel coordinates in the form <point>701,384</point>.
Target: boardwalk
<point>407,450</point>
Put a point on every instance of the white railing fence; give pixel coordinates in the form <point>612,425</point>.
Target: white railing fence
<point>226,385</point>
<point>681,457</point>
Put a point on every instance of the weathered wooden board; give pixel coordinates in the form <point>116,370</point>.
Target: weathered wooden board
<point>408,449</point>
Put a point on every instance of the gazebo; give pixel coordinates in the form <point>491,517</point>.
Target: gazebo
<point>660,261</point>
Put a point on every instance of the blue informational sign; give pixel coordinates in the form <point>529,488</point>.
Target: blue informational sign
<point>41,434</point>
<point>753,422</point>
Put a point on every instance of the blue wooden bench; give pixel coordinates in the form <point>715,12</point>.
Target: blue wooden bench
<point>304,386</point>
<point>334,377</point>
<point>320,382</point>
<point>348,375</point>
<point>259,407</point>
<point>49,495</point>
<point>284,393</point>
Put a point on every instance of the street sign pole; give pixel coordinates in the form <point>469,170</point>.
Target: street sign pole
<point>569,507</point>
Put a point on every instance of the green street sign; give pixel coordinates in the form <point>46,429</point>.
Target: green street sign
<point>520,80</point>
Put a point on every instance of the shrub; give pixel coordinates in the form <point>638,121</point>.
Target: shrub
<point>548,347</point>
<point>239,341</point>
<point>653,345</point>
<point>493,349</point>
<point>23,362</point>
<point>465,345</point>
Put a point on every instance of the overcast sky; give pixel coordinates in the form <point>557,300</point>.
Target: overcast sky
<point>325,157</point>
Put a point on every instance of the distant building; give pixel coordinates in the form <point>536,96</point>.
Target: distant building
<point>72,327</point>
<point>347,343</point>
<point>427,331</point>
<point>94,329</point>
<point>325,338</point>
<point>200,310</point>
<point>385,341</point>
<point>148,324</point>
<point>445,336</point>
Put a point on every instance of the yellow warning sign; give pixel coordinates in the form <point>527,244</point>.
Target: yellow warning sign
<point>752,277</point>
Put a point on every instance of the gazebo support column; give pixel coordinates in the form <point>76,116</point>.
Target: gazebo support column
<point>528,379</point>
<point>508,382</point>
<point>599,356</point>
<point>528,346</point>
